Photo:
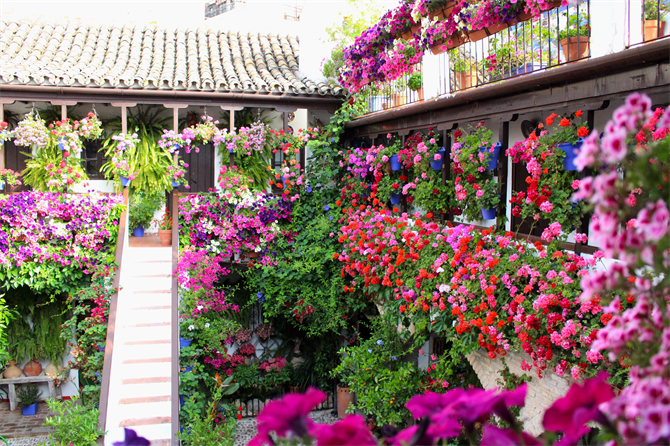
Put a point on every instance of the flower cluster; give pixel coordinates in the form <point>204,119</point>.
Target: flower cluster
<point>68,231</point>
<point>636,232</point>
<point>125,145</point>
<point>277,364</point>
<point>177,174</point>
<point>550,186</point>
<point>9,177</point>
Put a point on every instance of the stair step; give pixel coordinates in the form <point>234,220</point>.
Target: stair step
<point>145,399</point>
<point>147,316</point>
<point>145,390</point>
<point>142,371</point>
<point>146,360</point>
<point>145,333</point>
<point>148,342</point>
<point>149,283</point>
<point>151,431</point>
<point>147,380</point>
<point>147,324</point>
<point>132,300</point>
<point>144,421</point>
<point>146,411</point>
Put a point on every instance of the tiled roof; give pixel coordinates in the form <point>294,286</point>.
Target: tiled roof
<point>76,54</point>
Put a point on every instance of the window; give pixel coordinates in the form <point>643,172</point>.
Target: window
<point>93,159</point>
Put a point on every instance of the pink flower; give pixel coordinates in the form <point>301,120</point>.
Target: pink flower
<point>496,436</point>
<point>546,207</point>
<point>580,406</point>
<point>287,415</point>
<point>352,431</point>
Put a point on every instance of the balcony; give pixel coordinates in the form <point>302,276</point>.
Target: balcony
<point>559,36</point>
<point>218,7</point>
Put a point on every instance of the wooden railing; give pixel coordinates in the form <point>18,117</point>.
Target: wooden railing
<point>111,320</point>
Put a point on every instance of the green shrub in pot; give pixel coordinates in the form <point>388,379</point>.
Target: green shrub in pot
<point>142,207</point>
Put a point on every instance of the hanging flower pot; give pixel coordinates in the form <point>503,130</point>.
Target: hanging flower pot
<point>437,164</point>
<point>395,163</point>
<point>489,214</point>
<point>61,145</point>
<point>2,186</point>
<point>175,184</point>
<point>253,254</point>
<point>138,231</point>
<point>571,152</point>
<point>125,181</point>
<point>187,369</point>
<point>183,342</point>
<point>395,198</point>
<point>493,160</point>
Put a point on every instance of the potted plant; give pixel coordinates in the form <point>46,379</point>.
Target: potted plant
<point>10,178</point>
<point>415,83</point>
<point>28,396</point>
<point>165,229</point>
<point>142,207</point>
<point>463,69</point>
<point>177,174</point>
<point>574,39</point>
<point>476,192</point>
<point>654,18</point>
<point>120,161</point>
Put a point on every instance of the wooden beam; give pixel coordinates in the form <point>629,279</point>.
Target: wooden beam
<point>124,114</point>
<point>232,106</point>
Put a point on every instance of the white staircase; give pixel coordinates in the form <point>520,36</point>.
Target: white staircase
<point>140,380</point>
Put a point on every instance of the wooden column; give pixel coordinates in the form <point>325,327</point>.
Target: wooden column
<point>502,169</point>
<point>231,127</point>
<point>124,114</point>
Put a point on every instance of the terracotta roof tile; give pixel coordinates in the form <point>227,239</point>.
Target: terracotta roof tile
<point>73,53</point>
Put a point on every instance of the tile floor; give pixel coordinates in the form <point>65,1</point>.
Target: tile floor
<point>14,424</point>
<point>148,241</point>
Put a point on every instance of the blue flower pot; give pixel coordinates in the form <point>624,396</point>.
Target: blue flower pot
<point>2,186</point>
<point>125,181</point>
<point>175,184</point>
<point>437,165</point>
<point>571,152</point>
<point>489,214</point>
<point>101,347</point>
<point>395,198</point>
<point>231,150</point>
<point>183,343</point>
<point>493,160</point>
<point>395,163</point>
<point>188,369</point>
<point>61,147</point>
<point>30,410</point>
<point>138,231</point>
<point>527,68</point>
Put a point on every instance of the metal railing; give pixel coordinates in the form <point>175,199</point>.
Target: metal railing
<point>646,21</point>
<point>406,90</point>
<point>218,8</point>
<point>252,408</point>
<point>558,36</point>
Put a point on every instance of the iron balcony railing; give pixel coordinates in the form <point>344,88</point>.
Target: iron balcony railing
<point>218,8</point>
<point>561,35</point>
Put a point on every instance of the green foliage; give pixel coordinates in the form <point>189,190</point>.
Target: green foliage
<point>382,380</point>
<point>147,158</point>
<point>6,315</point>
<point>656,9</point>
<point>88,325</point>
<point>36,173</point>
<point>578,25</point>
<point>360,16</point>
<point>205,431</point>
<point>28,394</point>
<point>142,207</point>
<point>72,424</point>
<point>415,81</point>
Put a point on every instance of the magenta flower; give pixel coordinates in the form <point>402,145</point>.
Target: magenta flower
<point>581,405</point>
<point>288,415</point>
<point>352,431</point>
<point>494,436</point>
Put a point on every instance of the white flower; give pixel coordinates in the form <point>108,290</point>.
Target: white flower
<point>191,328</point>
<point>207,325</point>
<point>200,307</point>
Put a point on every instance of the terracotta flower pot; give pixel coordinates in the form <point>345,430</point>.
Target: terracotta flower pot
<point>165,236</point>
<point>477,35</point>
<point>407,35</point>
<point>12,371</point>
<point>344,398</point>
<point>418,95</point>
<point>575,47</point>
<point>33,368</point>
<point>253,254</point>
<point>387,168</point>
<point>463,80</point>
<point>651,29</point>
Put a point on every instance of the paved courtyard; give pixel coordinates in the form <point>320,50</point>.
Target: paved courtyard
<point>14,425</point>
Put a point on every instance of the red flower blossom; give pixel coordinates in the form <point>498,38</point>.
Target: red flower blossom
<point>565,122</point>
